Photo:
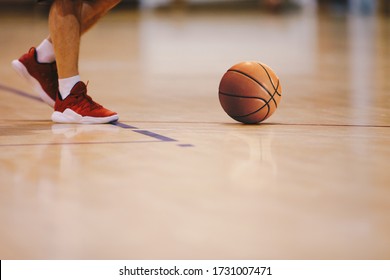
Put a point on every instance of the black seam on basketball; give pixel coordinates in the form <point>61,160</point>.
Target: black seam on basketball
<point>239,96</point>
<point>257,82</point>
<point>266,103</point>
<point>269,76</point>
<point>272,83</point>
<point>276,90</point>
<point>266,115</point>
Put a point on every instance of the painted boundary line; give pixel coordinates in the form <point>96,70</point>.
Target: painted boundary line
<point>159,137</point>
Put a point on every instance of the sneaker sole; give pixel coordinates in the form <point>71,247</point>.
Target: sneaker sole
<point>22,71</point>
<point>70,116</point>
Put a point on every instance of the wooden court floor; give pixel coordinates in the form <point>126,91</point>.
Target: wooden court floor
<point>176,178</point>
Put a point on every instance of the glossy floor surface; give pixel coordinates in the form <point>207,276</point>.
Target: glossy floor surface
<point>176,178</point>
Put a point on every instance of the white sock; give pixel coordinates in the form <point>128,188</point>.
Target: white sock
<point>45,52</point>
<point>66,85</point>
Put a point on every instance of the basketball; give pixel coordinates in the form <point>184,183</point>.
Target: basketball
<point>250,92</point>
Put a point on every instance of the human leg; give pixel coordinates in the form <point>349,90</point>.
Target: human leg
<point>92,12</point>
<point>73,18</point>
<point>65,32</point>
<point>68,20</point>
<point>38,66</point>
<point>72,105</point>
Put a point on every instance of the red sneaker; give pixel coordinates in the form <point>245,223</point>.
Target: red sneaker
<point>42,76</point>
<point>78,107</point>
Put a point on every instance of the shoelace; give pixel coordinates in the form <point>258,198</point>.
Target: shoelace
<point>83,100</point>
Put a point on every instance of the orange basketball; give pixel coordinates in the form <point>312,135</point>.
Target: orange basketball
<point>250,92</point>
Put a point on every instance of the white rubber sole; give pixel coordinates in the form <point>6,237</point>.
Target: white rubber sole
<point>22,71</point>
<point>70,116</point>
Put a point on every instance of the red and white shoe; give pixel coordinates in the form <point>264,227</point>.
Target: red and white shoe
<point>42,76</point>
<point>78,107</point>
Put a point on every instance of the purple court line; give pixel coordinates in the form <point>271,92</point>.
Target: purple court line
<point>155,135</point>
<point>119,124</point>
<point>76,143</point>
<point>144,132</point>
<point>20,93</point>
<point>123,125</point>
<point>186,145</point>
